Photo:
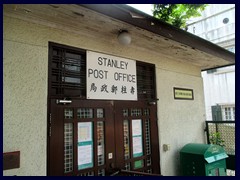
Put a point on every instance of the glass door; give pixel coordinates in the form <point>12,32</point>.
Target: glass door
<point>136,137</point>
<point>97,138</point>
<point>78,138</point>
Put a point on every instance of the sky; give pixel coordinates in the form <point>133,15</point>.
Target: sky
<point>147,8</point>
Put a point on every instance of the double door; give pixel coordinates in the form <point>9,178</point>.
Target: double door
<point>97,138</point>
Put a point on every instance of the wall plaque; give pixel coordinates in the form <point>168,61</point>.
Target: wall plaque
<point>11,160</point>
<point>182,93</point>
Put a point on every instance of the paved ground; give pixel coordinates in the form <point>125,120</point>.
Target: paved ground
<point>230,172</point>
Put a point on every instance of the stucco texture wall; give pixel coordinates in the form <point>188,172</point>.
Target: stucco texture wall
<point>180,121</point>
<point>25,105</point>
<point>25,64</point>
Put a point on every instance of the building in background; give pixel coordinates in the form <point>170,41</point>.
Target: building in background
<point>217,24</point>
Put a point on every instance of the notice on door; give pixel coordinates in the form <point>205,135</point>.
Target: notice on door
<point>110,77</point>
<point>137,137</point>
<point>85,145</point>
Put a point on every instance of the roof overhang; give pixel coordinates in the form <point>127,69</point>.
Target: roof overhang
<point>137,18</point>
<point>103,21</point>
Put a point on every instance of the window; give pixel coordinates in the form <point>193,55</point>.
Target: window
<point>228,113</point>
<point>68,71</point>
<point>223,112</point>
<point>68,74</point>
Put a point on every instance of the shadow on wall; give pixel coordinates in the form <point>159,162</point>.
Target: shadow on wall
<point>176,163</point>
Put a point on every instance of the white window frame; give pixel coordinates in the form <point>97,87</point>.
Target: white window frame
<point>228,112</point>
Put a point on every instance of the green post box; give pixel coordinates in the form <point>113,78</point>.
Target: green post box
<point>203,160</point>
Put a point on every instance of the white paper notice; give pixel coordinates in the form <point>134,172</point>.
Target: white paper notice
<point>84,154</point>
<point>85,145</point>
<point>137,137</point>
<point>137,127</point>
<point>84,131</point>
<point>137,145</point>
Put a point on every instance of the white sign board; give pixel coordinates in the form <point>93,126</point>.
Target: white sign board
<point>110,77</point>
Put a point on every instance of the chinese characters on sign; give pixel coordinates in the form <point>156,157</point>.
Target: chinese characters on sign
<point>110,77</point>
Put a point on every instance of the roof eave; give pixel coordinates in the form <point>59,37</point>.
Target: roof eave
<point>123,13</point>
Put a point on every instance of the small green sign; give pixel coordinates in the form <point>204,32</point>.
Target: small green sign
<point>138,164</point>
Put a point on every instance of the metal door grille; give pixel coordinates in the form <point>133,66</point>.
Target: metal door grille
<point>68,147</point>
<point>148,139</point>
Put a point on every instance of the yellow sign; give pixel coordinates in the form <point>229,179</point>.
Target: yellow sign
<point>181,93</point>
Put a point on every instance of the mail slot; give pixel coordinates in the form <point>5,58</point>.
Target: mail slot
<point>203,160</point>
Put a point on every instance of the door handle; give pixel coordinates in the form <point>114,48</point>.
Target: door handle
<point>112,165</point>
<point>63,101</point>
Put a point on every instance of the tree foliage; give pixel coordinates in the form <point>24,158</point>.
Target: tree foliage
<point>177,14</point>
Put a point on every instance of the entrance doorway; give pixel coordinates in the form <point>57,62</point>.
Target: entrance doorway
<point>118,135</point>
<point>98,137</point>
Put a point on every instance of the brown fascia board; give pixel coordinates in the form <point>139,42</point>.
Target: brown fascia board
<point>123,13</point>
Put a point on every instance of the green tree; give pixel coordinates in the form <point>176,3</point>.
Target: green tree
<point>177,14</point>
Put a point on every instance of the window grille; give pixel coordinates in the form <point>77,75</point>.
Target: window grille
<point>146,81</point>
<point>68,74</point>
<point>68,71</point>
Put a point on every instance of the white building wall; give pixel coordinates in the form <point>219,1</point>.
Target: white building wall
<point>219,87</point>
<point>25,62</point>
<point>178,119</point>
<point>210,25</point>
